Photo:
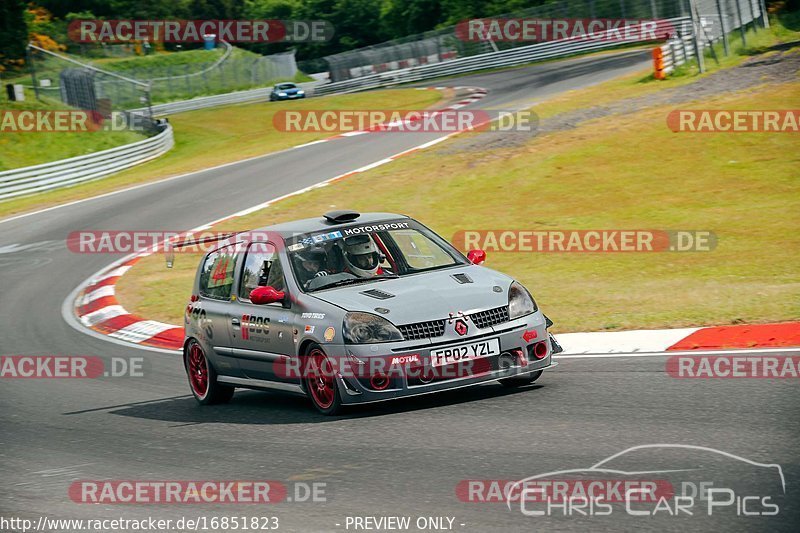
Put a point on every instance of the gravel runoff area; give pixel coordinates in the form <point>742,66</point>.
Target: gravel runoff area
<point>780,65</point>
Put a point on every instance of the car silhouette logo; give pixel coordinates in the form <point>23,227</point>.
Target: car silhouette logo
<point>461,327</point>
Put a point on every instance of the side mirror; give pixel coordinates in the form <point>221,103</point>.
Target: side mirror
<point>476,257</point>
<point>266,295</point>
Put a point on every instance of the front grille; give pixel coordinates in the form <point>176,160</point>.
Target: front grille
<point>490,317</point>
<point>422,330</point>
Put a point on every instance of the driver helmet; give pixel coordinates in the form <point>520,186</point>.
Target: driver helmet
<point>312,255</point>
<point>361,255</point>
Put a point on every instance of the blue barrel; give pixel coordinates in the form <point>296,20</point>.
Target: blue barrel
<point>209,41</point>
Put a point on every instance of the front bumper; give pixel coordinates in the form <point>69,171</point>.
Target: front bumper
<point>517,339</point>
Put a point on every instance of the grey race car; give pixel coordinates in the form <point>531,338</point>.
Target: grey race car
<point>352,308</point>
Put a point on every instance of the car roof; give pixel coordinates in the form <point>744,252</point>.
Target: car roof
<point>310,225</point>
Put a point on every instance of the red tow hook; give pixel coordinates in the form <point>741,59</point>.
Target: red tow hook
<point>520,353</point>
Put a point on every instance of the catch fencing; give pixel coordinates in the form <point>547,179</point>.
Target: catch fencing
<point>127,85</point>
<point>707,29</point>
<point>443,53</point>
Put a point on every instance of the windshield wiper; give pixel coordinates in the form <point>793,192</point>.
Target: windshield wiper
<point>353,281</point>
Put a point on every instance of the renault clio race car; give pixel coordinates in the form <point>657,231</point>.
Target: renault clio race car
<point>353,308</point>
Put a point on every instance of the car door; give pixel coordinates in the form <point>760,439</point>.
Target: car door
<point>210,312</point>
<point>261,335</point>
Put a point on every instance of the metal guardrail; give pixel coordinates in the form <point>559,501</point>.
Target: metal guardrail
<point>57,174</point>
<point>503,58</point>
<point>237,97</point>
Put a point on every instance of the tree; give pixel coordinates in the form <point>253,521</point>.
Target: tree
<point>13,33</point>
<point>405,17</point>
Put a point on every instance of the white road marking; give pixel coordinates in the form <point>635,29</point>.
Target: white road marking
<point>644,340</point>
<point>102,292</point>
<point>740,351</point>
<point>141,331</point>
<point>101,315</point>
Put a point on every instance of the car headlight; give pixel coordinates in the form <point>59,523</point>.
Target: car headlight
<point>520,302</point>
<point>281,94</point>
<point>301,92</point>
<point>366,328</point>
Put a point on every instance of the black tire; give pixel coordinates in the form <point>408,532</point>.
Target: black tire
<point>319,380</point>
<point>203,378</point>
<point>521,381</point>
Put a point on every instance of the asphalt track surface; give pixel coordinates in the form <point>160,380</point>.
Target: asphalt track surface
<point>396,459</point>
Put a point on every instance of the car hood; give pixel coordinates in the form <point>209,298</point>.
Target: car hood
<point>426,296</point>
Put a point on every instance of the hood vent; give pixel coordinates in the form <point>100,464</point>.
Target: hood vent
<point>378,294</point>
<point>462,278</point>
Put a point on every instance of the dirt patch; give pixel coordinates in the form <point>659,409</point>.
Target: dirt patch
<point>776,67</point>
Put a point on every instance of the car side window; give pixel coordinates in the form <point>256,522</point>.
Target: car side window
<point>216,277</point>
<point>262,268</point>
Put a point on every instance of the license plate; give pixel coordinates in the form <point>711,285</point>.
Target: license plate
<point>465,352</point>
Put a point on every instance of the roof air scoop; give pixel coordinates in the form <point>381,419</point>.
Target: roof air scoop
<point>340,217</point>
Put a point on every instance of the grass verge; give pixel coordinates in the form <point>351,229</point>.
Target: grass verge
<point>210,137</point>
<point>32,148</point>
<point>623,172</point>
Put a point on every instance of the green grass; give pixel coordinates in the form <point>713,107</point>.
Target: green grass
<point>164,60</point>
<point>238,132</point>
<point>623,172</point>
<point>32,148</point>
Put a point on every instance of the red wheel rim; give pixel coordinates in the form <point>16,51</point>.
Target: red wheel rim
<point>198,370</point>
<point>320,379</point>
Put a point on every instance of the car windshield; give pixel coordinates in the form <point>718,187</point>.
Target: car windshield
<point>284,86</point>
<point>369,252</point>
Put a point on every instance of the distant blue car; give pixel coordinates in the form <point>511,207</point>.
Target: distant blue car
<point>286,91</point>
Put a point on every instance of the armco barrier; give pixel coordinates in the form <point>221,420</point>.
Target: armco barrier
<point>502,58</point>
<point>237,97</point>
<point>57,174</point>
